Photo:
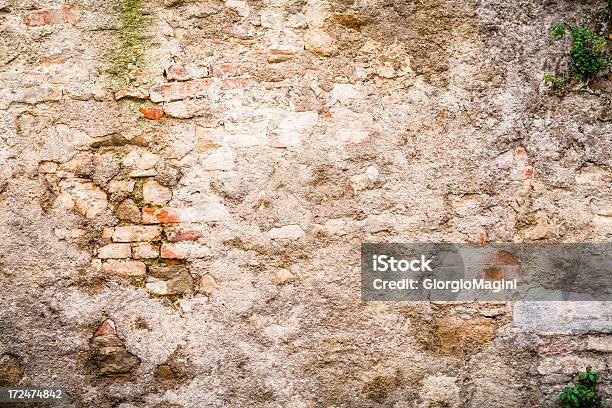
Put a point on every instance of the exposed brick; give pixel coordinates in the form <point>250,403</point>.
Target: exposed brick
<point>65,14</point>
<point>183,250</point>
<point>152,113</point>
<point>178,72</point>
<point>135,233</point>
<point>237,83</point>
<point>183,72</point>
<point>180,90</point>
<point>115,251</point>
<point>125,268</point>
<point>226,70</point>
<point>107,233</point>
<point>106,328</point>
<point>145,250</point>
<point>500,264</point>
<point>131,93</point>
<point>185,235</point>
<point>160,215</point>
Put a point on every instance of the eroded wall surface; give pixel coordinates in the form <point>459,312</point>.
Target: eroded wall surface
<point>185,185</point>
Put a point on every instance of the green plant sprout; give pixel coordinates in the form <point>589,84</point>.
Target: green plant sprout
<point>558,30</point>
<point>584,394</point>
<point>588,53</point>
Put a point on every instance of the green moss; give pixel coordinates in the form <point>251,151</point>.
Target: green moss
<point>128,55</point>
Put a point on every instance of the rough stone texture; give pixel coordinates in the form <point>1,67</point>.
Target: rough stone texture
<point>109,356</point>
<point>11,370</point>
<point>561,317</point>
<point>440,391</point>
<point>235,154</point>
<point>155,193</point>
<point>169,280</point>
<point>127,210</point>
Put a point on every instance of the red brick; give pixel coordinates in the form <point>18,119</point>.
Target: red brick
<point>125,268</point>
<point>136,233</point>
<point>114,251</point>
<point>237,83</point>
<point>65,14</point>
<point>500,265</point>
<point>180,90</point>
<point>152,113</point>
<point>145,250</point>
<point>131,93</point>
<point>169,251</point>
<point>520,152</point>
<point>160,215</point>
<point>482,238</point>
<point>106,328</point>
<point>177,72</point>
<point>226,70</point>
<point>501,257</point>
<point>183,250</point>
<point>186,235</point>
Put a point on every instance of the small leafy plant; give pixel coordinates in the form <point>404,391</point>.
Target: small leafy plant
<point>584,394</point>
<point>588,53</point>
<point>555,81</point>
<point>558,30</point>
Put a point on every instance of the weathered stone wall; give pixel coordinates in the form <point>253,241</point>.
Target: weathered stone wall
<point>185,184</point>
